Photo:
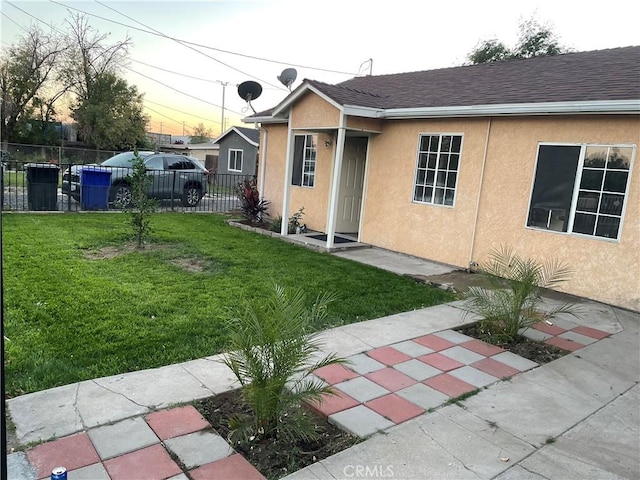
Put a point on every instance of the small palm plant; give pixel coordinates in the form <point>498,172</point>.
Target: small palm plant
<point>273,352</point>
<point>514,302</point>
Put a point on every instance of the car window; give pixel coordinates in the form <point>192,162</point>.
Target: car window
<point>124,159</point>
<point>176,163</point>
<point>154,163</point>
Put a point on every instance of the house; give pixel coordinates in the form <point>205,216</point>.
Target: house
<point>536,154</point>
<point>238,151</point>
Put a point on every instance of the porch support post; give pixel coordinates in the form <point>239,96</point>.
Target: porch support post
<point>288,171</point>
<point>263,160</point>
<point>335,183</point>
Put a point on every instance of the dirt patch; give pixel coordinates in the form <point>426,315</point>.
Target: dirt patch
<point>187,263</point>
<point>274,458</point>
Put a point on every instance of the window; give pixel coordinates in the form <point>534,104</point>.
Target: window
<point>235,160</point>
<point>580,189</point>
<point>304,160</point>
<point>178,163</point>
<point>437,169</point>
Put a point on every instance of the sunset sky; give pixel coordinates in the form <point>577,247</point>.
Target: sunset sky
<point>325,40</point>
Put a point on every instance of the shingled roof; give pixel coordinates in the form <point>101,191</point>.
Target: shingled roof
<point>612,74</point>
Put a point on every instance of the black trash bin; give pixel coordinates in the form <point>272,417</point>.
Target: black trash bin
<point>42,185</point>
<point>95,183</point>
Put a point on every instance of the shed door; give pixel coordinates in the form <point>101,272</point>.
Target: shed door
<point>351,185</point>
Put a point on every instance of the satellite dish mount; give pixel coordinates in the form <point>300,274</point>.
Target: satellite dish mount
<point>248,91</point>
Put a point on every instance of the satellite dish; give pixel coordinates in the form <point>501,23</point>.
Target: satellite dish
<point>248,91</point>
<point>287,77</point>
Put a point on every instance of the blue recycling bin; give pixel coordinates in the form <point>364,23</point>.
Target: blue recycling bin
<point>95,183</point>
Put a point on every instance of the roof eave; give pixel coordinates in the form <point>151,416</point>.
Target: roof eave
<point>545,108</point>
<point>299,92</point>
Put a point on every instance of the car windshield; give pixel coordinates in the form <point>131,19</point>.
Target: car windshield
<point>124,159</point>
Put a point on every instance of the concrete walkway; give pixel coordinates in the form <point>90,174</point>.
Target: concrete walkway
<point>576,417</point>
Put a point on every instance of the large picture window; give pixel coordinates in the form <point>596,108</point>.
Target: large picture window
<point>235,160</point>
<point>581,189</point>
<point>437,169</point>
<point>305,149</point>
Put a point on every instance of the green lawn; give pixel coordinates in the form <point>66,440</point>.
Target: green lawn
<point>72,317</point>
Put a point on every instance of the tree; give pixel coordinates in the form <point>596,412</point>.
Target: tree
<point>200,134</point>
<point>112,115</point>
<point>535,40</point>
<point>139,207</point>
<point>28,81</point>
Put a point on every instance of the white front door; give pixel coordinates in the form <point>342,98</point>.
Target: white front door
<point>351,185</point>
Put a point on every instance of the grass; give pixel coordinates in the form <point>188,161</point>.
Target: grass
<point>71,317</point>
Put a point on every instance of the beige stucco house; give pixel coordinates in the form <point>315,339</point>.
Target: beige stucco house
<point>538,154</point>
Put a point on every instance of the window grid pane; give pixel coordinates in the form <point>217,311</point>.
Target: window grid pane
<point>603,188</point>
<point>437,166</point>
<point>309,163</point>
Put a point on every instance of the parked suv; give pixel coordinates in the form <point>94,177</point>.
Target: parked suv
<point>174,177</point>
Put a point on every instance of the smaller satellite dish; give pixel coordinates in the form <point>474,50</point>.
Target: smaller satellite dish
<point>249,90</point>
<point>287,77</point>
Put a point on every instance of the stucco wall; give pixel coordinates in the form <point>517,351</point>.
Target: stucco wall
<point>393,221</point>
<point>311,111</point>
<point>313,199</point>
<point>603,270</point>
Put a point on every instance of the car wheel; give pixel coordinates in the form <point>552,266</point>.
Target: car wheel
<point>191,196</point>
<point>120,195</point>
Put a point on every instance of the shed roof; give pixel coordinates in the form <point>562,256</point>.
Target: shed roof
<point>251,135</point>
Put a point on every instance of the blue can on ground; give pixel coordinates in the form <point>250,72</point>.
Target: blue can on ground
<point>95,183</point>
<point>59,473</point>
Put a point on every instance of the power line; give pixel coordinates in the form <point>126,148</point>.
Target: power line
<point>181,111</point>
<point>127,68</point>
<point>208,47</point>
<point>12,20</point>
<point>174,72</point>
<point>183,44</point>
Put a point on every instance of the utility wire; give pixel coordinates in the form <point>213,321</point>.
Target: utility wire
<point>184,44</point>
<point>127,68</point>
<point>181,111</point>
<point>208,47</point>
<point>12,20</point>
<point>174,72</point>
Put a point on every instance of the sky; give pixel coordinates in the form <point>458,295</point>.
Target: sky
<point>325,40</point>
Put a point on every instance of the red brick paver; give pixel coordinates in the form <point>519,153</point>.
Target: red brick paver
<point>434,342</point>
<point>235,467</point>
<point>591,332</point>
<point>564,343</point>
<point>550,329</point>
<point>72,452</point>
<point>395,408</point>
<point>333,374</point>
<point>331,404</point>
<point>388,355</point>
<point>176,422</point>
<point>483,348</point>
<point>449,385</point>
<point>391,379</point>
<point>441,362</point>
<point>495,368</point>
<point>151,463</point>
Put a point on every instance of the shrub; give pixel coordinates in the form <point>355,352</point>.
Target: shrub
<point>514,301</point>
<point>295,219</point>
<point>272,354</point>
<point>253,207</point>
<point>141,206</point>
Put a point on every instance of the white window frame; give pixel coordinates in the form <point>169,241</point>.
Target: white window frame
<point>309,161</point>
<point>580,168</point>
<point>236,151</point>
<point>437,170</point>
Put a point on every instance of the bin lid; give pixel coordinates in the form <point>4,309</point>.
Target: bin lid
<point>96,168</point>
<point>41,165</point>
